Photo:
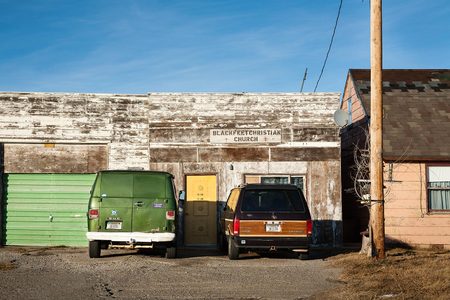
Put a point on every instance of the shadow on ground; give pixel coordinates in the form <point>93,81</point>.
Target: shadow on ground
<point>189,252</point>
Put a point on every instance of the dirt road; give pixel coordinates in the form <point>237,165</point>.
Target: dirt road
<point>68,273</point>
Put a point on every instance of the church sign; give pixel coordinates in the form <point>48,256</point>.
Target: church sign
<point>247,136</point>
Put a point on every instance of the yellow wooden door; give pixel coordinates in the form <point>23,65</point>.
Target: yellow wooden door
<point>201,210</point>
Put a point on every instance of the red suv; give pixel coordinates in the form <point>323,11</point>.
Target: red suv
<point>262,217</point>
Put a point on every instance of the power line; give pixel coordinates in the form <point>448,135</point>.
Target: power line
<point>329,47</point>
<point>304,78</point>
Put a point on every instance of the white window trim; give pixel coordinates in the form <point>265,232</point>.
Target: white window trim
<point>436,173</point>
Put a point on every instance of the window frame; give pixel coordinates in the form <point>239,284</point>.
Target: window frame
<point>231,203</point>
<point>427,189</point>
<point>289,176</point>
<point>349,110</point>
<point>287,195</point>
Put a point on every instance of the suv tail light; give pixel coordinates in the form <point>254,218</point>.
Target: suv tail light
<point>93,214</point>
<point>170,215</point>
<point>236,226</point>
<point>309,227</point>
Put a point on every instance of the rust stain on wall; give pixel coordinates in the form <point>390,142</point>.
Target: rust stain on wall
<point>178,155</point>
<point>304,154</point>
<point>233,154</point>
<point>39,158</point>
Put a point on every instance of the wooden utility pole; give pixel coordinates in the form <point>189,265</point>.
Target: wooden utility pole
<point>376,130</point>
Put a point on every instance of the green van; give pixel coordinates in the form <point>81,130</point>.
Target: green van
<point>132,209</point>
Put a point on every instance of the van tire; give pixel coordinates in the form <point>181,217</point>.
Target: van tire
<point>233,251</point>
<point>171,252</point>
<point>94,249</point>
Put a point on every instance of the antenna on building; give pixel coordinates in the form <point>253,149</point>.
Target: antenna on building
<point>304,78</point>
<point>341,117</point>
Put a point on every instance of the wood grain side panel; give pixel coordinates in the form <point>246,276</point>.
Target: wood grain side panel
<point>257,228</point>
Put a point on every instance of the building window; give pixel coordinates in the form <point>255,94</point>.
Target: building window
<point>438,187</point>
<point>232,200</point>
<point>298,180</point>
<point>275,179</point>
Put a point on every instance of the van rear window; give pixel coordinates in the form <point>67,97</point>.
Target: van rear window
<point>149,185</point>
<point>272,200</point>
<point>138,185</point>
<point>117,185</point>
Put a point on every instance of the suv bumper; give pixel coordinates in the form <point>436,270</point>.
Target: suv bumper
<point>300,244</point>
<point>131,237</point>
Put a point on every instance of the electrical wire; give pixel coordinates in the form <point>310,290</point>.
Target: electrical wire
<point>329,47</point>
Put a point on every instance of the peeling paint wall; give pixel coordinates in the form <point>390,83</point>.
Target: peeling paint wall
<point>119,121</point>
<point>180,126</point>
<point>171,132</point>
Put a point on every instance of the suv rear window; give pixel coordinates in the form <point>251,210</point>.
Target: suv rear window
<point>272,200</point>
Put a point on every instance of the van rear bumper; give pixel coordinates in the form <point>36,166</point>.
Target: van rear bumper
<point>131,237</point>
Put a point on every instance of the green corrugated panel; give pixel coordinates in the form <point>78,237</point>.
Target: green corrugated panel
<point>47,209</point>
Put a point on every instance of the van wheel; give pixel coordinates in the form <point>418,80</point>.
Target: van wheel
<point>233,251</point>
<point>303,256</point>
<point>171,252</point>
<point>94,249</point>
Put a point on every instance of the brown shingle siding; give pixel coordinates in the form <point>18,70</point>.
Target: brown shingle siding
<point>416,108</point>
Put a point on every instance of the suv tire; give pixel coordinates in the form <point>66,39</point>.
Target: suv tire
<point>233,251</point>
<point>94,249</point>
<point>171,252</point>
<point>222,243</point>
<point>303,256</point>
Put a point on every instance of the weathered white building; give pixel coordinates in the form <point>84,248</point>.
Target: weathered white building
<point>210,142</point>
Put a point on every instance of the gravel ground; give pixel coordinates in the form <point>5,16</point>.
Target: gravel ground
<point>58,273</point>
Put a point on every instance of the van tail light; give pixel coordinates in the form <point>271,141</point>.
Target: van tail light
<point>93,214</point>
<point>236,226</point>
<point>309,227</point>
<point>170,215</point>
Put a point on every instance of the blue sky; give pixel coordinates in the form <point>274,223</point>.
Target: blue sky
<point>133,47</point>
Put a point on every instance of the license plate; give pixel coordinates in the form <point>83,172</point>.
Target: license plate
<point>273,227</point>
<point>114,225</point>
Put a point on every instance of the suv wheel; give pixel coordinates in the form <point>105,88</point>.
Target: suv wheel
<point>94,249</point>
<point>303,256</point>
<point>171,252</point>
<point>233,251</point>
<point>222,243</point>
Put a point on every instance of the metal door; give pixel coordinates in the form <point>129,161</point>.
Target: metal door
<point>201,210</point>
<point>116,205</point>
<point>150,202</point>
<point>46,209</point>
